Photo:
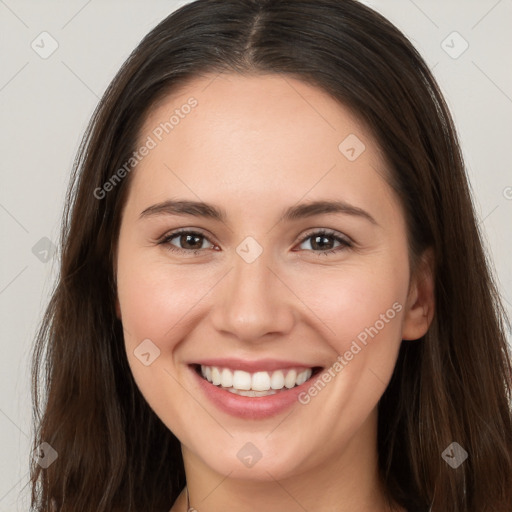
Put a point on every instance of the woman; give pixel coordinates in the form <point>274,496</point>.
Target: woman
<point>273,292</point>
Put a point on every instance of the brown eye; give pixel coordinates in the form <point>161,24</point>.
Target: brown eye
<point>185,241</point>
<point>323,242</point>
<point>190,241</point>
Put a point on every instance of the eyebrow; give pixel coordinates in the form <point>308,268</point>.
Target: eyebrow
<point>296,212</point>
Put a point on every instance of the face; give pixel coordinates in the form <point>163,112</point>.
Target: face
<point>298,269</point>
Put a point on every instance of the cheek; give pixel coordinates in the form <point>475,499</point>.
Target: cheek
<point>155,298</point>
<point>157,303</point>
<point>359,309</point>
<point>354,299</point>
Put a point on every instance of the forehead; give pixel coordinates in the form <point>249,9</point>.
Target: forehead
<point>236,137</point>
<point>263,110</point>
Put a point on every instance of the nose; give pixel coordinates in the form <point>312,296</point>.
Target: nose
<point>253,302</point>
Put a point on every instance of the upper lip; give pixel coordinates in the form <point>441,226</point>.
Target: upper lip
<point>252,366</point>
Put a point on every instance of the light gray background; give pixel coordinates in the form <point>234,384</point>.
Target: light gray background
<point>45,105</point>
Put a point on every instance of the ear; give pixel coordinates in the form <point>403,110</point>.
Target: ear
<point>419,310</point>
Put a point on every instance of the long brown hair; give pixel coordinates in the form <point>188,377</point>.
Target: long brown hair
<point>453,385</point>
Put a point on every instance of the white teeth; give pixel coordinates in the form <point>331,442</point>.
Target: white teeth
<point>251,393</point>
<point>260,381</point>
<point>216,378</point>
<point>226,378</point>
<point>277,380</point>
<point>302,377</point>
<point>241,380</point>
<point>289,380</point>
<point>256,384</point>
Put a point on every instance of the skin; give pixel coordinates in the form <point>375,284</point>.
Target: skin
<point>255,145</point>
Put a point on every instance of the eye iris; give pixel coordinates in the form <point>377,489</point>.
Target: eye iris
<point>185,239</point>
<point>321,245</point>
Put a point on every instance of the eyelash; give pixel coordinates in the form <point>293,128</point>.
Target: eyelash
<point>346,244</point>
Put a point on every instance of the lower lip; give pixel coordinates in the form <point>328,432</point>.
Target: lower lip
<point>250,407</point>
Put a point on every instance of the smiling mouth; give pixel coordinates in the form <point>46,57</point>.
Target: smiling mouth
<point>256,384</point>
